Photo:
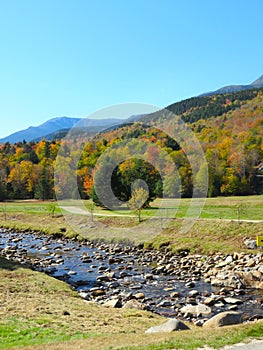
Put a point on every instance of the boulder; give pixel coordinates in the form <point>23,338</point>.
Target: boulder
<point>171,325</point>
<point>134,304</point>
<point>252,279</point>
<point>224,319</point>
<point>115,303</point>
<point>196,310</point>
<point>231,300</point>
<point>250,243</point>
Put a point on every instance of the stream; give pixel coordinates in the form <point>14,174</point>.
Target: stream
<point>101,272</point>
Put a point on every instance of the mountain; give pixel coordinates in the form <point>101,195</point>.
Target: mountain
<point>258,82</point>
<point>54,125</point>
<point>203,107</point>
<point>195,107</point>
<point>235,88</point>
<point>227,126</point>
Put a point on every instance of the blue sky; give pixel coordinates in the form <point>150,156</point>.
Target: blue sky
<point>73,57</point>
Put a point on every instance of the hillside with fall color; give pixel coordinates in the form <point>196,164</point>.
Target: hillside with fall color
<point>229,128</point>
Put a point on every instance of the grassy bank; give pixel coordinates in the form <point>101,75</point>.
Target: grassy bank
<point>37,309</point>
<point>204,237</point>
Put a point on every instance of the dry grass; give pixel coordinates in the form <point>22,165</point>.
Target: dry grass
<point>32,299</point>
<point>28,294</point>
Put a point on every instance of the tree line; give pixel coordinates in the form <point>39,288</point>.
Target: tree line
<point>231,141</point>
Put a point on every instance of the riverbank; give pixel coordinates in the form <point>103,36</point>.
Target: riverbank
<point>97,327</point>
<point>193,287</point>
<point>207,236</point>
<point>38,309</point>
<point>27,304</point>
<point>39,312</point>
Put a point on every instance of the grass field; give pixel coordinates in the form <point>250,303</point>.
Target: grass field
<point>246,207</point>
<point>251,208</point>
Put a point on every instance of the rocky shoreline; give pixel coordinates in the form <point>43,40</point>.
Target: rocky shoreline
<point>191,287</point>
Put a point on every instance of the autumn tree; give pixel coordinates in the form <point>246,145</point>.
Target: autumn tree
<point>138,199</point>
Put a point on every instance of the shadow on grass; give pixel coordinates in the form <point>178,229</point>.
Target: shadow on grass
<point>9,265</point>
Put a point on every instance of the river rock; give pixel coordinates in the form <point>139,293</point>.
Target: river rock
<point>210,301</point>
<point>196,310</point>
<point>139,296</point>
<point>134,304</point>
<point>224,319</point>
<point>165,303</point>
<point>175,295</point>
<point>252,279</point>
<point>190,284</point>
<point>227,279</point>
<point>250,243</point>
<point>96,292</point>
<point>115,303</point>
<point>251,263</point>
<point>199,323</point>
<point>149,276</point>
<point>170,326</point>
<point>229,259</point>
<point>84,295</point>
<point>232,301</point>
<point>193,293</point>
<point>108,276</point>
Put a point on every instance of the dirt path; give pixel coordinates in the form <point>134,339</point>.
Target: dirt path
<point>79,211</point>
<point>253,345</point>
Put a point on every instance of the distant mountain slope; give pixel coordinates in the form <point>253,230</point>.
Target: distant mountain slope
<point>34,132</point>
<point>258,82</point>
<point>192,109</point>
<point>235,88</point>
<point>204,107</point>
<point>55,125</point>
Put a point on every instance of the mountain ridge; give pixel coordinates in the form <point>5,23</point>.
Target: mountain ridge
<point>55,125</point>
<point>235,88</point>
<point>59,125</point>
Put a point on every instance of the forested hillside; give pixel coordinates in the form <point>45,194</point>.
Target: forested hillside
<point>228,126</point>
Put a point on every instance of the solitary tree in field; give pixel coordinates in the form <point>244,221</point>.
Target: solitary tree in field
<point>240,209</point>
<point>137,200</point>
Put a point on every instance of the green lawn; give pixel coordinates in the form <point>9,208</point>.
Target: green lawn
<point>214,208</point>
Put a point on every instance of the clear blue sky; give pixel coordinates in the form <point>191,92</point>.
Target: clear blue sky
<point>73,57</point>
